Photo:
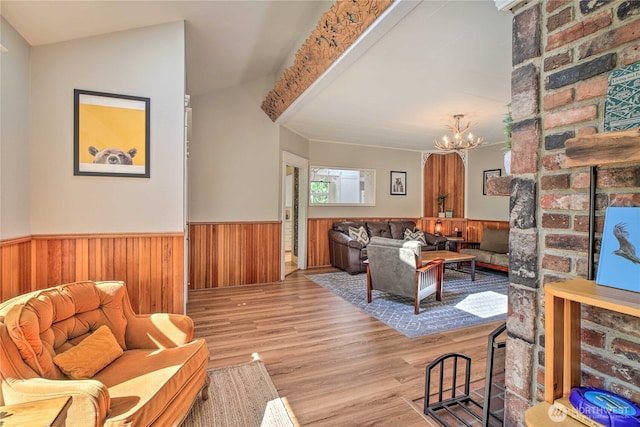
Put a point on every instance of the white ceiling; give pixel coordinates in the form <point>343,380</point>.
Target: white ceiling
<point>444,57</point>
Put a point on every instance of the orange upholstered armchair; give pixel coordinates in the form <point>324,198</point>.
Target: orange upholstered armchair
<point>83,340</point>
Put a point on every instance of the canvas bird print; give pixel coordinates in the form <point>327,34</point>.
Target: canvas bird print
<point>619,262</point>
<point>626,250</point>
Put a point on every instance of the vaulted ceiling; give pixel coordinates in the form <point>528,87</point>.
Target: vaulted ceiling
<point>424,62</point>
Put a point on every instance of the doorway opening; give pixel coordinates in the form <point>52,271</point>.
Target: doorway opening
<point>294,213</point>
<point>290,223</point>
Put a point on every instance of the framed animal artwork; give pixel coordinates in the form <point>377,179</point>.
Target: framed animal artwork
<point>619,263</point>
<point>111,134</point>
<point>398,183</point>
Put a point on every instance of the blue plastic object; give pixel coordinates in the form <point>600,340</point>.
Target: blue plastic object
<point>605,407</point>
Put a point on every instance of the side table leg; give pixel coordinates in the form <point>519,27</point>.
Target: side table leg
<point>473,270</point>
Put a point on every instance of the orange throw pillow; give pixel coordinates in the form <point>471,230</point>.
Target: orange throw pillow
<point>90,356</point>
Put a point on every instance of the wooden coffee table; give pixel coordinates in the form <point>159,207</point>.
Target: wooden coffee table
<point>450,258</point>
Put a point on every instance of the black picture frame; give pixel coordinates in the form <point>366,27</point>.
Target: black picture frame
<point>489,174</point>
<point>111,135</point>
<point>398,183</point>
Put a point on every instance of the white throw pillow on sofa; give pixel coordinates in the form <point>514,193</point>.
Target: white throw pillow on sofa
<point>360,234</point>
<point>415,235</point>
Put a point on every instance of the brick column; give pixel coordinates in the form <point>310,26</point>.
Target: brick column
<point>563,51</point>
<point>523,246</point>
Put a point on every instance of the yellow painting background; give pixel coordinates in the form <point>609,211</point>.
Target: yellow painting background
<point>111,127</point>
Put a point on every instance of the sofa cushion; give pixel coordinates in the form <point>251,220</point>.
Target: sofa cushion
<point>397,228</point>
<point>56,319</point>
<point>495,240</point>
<point>481,256</point>
<point>379,229</point>
<point>360,234</point>
<point>343,226</point>
<point>500,259</point>
<point>143,383</point>
<point>90,356</point>
<point>415,235</point>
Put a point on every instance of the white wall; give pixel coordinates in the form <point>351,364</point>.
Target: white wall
<point>481,206</point>
<point>294,143</point>
<point>147,62</point>
<point>383,161</point>
<point>15,207</point>
<point>234,156</point>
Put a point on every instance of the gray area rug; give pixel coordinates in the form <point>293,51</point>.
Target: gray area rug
<point>464,303</point>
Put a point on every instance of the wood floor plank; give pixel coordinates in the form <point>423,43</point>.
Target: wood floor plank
<point>336,365</point>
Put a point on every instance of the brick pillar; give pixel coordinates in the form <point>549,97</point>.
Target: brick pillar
<point>523,246</point>
<point>563,51</point>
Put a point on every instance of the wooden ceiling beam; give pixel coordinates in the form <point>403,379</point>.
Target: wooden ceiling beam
<point>336,31</point>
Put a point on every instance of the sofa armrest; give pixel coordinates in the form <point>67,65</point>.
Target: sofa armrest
<point>344,239</point>
<point>438,242</point>
<point>159,330</point>
<point>435,263</point>
<point>90,398</point>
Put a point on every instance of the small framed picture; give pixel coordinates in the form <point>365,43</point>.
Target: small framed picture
<point>619,262</point>
<point>111,135</point>
<point>486,175</point>
<point>398,183</point>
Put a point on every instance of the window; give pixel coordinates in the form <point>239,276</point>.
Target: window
<point>341,186</point>
<point>319,192</point>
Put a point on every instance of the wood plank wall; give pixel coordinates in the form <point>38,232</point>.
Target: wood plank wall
<point>220,254</point>
<point>443,174</point>
<point>475,227</point>
<point>448,225</point>
<point>151,265</point>
<point>15,267</point>
<point>229,254</point>
<point>318,228</point>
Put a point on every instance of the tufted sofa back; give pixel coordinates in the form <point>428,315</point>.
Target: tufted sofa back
<point>37,326</point>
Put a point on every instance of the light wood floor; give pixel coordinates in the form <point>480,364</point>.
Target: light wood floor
<point>336,365</point>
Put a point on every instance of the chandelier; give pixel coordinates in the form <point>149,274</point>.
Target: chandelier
<point>458,141</point>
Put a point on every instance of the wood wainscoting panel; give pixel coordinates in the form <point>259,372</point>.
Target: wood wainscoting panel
<point>448,225</point>
<point>15,267</point>
<point>318,240</point>
<point>230,254</point>
<point>475,227</point>
<point>151,265</point>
